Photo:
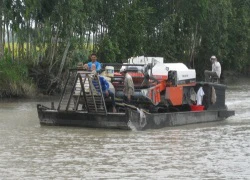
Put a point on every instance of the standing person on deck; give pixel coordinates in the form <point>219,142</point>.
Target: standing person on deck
<point>93,58</point>
<point>216,70</point>
<point>128,85</point>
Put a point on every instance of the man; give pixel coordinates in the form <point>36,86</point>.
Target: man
<point>93,58</point>
<point>216,70</point>
<point>128,85</point>
<point>104,85</point>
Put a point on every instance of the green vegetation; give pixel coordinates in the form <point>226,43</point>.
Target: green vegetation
<point>42,38</point>
<point>13,79</point>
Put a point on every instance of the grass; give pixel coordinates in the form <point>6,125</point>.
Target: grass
<point>13,78</point>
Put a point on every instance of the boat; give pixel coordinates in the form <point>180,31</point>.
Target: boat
<point>164,102</point>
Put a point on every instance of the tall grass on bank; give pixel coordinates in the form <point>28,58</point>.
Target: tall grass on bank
<point>14,81</point>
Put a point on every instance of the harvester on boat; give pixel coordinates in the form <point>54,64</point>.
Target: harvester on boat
<point>171,96</point>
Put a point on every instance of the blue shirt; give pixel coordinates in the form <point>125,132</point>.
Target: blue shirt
<point>104,84</point>
<point>97,65</point>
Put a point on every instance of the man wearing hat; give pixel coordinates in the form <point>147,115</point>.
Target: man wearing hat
<point>128,85</point>
<point>216,70</point>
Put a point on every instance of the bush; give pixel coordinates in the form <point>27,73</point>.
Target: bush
<point>14,78</point>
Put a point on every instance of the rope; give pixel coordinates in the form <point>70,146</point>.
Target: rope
<point>131,106</point>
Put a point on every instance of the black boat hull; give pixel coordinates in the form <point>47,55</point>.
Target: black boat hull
<point>132,119</point>
<point>82,119</point>
<point>160,120</point>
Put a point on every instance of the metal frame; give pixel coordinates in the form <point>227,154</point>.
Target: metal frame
<point>103,101</point>
<point>72,91</point>
<point>64,89</point>
<point>92,93</point>
<point>82,91</point>
<point>78,76</point>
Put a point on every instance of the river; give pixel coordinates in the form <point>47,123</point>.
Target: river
<point>219,150</point>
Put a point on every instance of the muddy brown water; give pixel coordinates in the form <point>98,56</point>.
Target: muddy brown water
<point>218,150</point>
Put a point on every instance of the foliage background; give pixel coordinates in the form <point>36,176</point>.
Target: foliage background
<point>39,39</point>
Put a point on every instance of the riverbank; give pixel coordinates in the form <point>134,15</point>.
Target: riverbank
<point>14,80</point>
<point>17,90</point>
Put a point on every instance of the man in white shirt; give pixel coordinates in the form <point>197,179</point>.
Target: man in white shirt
<point>129,88</point>
<point>216,70</point>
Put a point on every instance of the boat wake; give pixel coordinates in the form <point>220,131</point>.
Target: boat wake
<point>131,126</point>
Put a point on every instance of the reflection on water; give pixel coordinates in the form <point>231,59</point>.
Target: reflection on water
<point>218,150</point>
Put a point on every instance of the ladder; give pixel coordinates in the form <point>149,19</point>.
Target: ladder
<point>86,91</point>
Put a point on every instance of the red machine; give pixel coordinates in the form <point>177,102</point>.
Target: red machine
<point>174,82</point>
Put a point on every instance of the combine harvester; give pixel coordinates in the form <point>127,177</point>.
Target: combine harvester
<point>166,94</point>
